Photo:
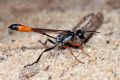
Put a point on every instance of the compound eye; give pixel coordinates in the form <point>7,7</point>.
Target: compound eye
<point>79,34</point>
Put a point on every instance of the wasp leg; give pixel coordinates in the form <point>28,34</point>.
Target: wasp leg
<point>74,56</point>
<point>44,44</point>
<point>48,35</point>
<point>48,40</point>
<point>48,49</point>
<point>81,48</point>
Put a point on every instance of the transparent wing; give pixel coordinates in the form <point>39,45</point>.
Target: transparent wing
<point>93,25</point>
<point>84,22</point>
<point>89,24</point>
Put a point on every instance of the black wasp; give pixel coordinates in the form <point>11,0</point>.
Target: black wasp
<point>74,38</point>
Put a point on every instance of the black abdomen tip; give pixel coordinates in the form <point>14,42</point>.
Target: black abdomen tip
<point>14,26</point>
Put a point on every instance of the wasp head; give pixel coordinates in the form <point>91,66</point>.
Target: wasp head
<point>80,34</point>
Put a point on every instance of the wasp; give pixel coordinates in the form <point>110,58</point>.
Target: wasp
<point>66,39</point>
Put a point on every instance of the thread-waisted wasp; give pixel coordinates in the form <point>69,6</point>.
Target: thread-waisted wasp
<point>74,38</point>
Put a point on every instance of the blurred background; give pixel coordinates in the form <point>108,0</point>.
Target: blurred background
<point>16,47</point>
<point>28,11</point>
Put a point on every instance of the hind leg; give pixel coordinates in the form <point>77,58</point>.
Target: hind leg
<point>37,60</point>
<point>74,56</point>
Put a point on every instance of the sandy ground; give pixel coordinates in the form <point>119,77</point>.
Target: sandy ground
<point>18,49</point>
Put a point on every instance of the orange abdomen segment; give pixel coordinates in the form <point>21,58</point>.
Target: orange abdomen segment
<point>23,28</point>
<point>76,45</point>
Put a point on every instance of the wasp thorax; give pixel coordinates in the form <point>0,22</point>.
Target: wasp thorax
<point>65,36</point>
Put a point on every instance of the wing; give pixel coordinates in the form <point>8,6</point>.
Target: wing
<point>89,24</point>
<point>83,22</point>
<point>93,25</point>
